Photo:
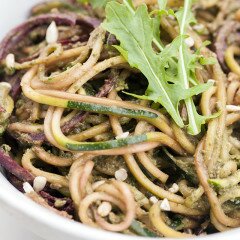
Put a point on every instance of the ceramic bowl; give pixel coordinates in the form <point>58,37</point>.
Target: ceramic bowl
<point>26,213</point>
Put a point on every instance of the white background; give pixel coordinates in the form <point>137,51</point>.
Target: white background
<point>10,231</point>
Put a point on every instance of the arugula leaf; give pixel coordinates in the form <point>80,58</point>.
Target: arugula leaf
<point>186,68</point>
<point>95,3</point>
<point>136,33</point>
<point>162,4</point>
<point>103,3</point>
<point>156,22</point>
<point>131,30</point>
<point>185,17</point>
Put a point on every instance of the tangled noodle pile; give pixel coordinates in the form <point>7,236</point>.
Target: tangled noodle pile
<point>75,142</point>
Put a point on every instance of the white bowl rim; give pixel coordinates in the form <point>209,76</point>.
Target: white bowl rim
<point>12,198</point>
<point>17,202</point>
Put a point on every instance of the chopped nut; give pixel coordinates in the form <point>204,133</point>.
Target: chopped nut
<point>52,33</point>
<point>121,174</point>
<point>104,209</point>
<point>10,60</point>
<point>198,27</point>
<point>211,81</point>
<point>39,183</point>
<point>189,41</point>
<point>174,188</point>
<point>27,187</point>
<point>59,203</point>
<point>123,135</point>
<point>165,206</point>
<point>153,199</point>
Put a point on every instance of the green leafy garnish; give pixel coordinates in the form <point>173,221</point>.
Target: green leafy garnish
<point>95,3</point>
<point>162,4</point>
<point>186,67</point>
<point>169,72</point>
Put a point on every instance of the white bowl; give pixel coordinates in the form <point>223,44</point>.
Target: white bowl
<point>32,216</point>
